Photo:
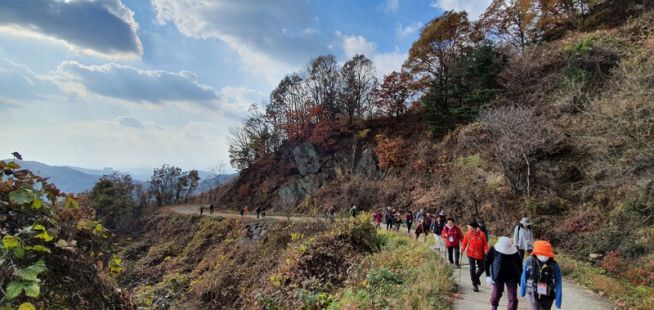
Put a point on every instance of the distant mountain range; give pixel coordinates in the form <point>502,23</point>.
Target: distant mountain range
<point>76,180</point>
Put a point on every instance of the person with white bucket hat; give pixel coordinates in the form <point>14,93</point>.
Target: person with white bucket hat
<point>503,268</point>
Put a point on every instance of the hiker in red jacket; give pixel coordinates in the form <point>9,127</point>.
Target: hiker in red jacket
<point>453,236</point>
<point>475,243</point>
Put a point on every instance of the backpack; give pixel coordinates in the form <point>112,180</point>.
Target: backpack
<point>543,277</point>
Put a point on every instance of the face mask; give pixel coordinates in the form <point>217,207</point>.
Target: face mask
<point>542,258</point>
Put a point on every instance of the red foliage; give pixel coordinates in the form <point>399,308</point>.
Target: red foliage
<point>390,151</point>
<point>418,165</point>
<point>244,190</point>
<point>392,94</point>
<point>614,263</point>
<point>321,133</point>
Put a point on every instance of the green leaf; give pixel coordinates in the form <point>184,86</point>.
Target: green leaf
<point>37,203</point>
<point>45,236</point>
<point>26,306</point>
<point>38,227</point>
<point>13,165</point>
<point>38,267</point>
<point>32,289</point>
<point>21,196</point>
<point>72,203</point>
<point>28,275</point>
<point>40,248</point>
<point>14,289</point>
<point>9,242</point>
<point>20,252</point>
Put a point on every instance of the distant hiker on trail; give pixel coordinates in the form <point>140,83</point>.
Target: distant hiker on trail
<point>378,218</point>
<point>258,209</point>
<point>409,220</point>
<point>397,221</point>
<point>523,237</point>
<point>424,224</point>
<point>389,218</point>
<point>201,209</point>
<point>211,208</point>
<point>332,211</point>
<point>353,211</point>
<point>453,236</point>
<point>475,246</point>
<point>242,212</point>
<point>503,268</point>
<point>443,216</point>
<point>437,228</point>
<point>541,278</point>
<point>420,214</point>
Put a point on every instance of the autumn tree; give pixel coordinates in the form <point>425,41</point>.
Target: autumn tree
<point>170,185</point>
<point>117,200</point>
<point>392,94</point>
<point>323,81</point>
<point>431,56</point>
<point>359,81</point>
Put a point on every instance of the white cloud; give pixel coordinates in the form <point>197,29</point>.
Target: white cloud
<point>405,31</point>
<point>253,28</point>
<point>391,5</point>
<point>104,27</point>
<point>474,7</point>
<point>353,45</point>
<point>130,121</point>
<point>19,84</point>
<point>134,85</point>
<point>385,62</point>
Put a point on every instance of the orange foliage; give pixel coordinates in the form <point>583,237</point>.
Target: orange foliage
<point>244,190</point>
<point>390,151</point>
<point>613,262</point>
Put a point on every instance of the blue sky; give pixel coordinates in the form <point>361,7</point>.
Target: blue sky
<point>135,83</point>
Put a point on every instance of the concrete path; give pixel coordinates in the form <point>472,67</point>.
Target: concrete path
<point>574,296</point>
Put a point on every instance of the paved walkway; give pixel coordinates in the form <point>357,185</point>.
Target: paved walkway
<point>574,296</point>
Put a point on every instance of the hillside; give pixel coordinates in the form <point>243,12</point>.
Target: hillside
<point>567,141</point>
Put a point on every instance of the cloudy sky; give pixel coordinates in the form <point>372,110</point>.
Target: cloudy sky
<point>138,83</point>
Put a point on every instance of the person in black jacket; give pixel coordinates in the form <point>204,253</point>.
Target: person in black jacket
<point>503,268</point>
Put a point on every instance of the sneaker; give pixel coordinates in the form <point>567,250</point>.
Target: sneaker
<point>475,288</point>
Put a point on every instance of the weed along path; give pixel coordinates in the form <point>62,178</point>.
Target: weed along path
<point>574,296</point>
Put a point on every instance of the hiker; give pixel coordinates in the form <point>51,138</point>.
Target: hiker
<point>443,216</point>
<point>475,246</point>
<point>389,218</point>
<point>541,278</point>
<point>409,220</point>
<point>263,213</point>
<point>419,227</point>
<point>332,211</point>
<point>398,220</point>
<point>437,227</point>
<point>503,268</point>
<point>211,208</point>
<point>378,219</point>
<point>242,212</point>
<point>201,209</point>
<point>482,227</point>
<point>453,236</point>
<point>420,214</point>
<point>353,211</point>
<point>258,209</point>
<point>522,237</point>
<point>245,211</point>
<point>426,225</point>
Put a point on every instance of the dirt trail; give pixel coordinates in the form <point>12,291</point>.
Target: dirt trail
<point>574,296</point>
<point>194,209</point>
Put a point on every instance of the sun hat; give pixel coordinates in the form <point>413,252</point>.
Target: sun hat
<point>525,221</point>
<point>505,246</point>
<point>442,213</point>
<point>543,248</point>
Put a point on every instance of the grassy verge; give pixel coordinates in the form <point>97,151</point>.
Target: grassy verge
<point>617,290</point>
<point>403,275</point>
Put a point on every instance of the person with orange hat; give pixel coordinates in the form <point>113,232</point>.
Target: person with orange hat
<point>541,278</point>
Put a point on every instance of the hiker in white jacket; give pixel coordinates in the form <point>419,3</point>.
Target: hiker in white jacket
<point>523,237</point>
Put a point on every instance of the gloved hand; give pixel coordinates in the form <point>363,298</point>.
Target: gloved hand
<point>489,281</point>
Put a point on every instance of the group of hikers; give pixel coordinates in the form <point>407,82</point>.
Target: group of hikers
<point>538,276</point>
